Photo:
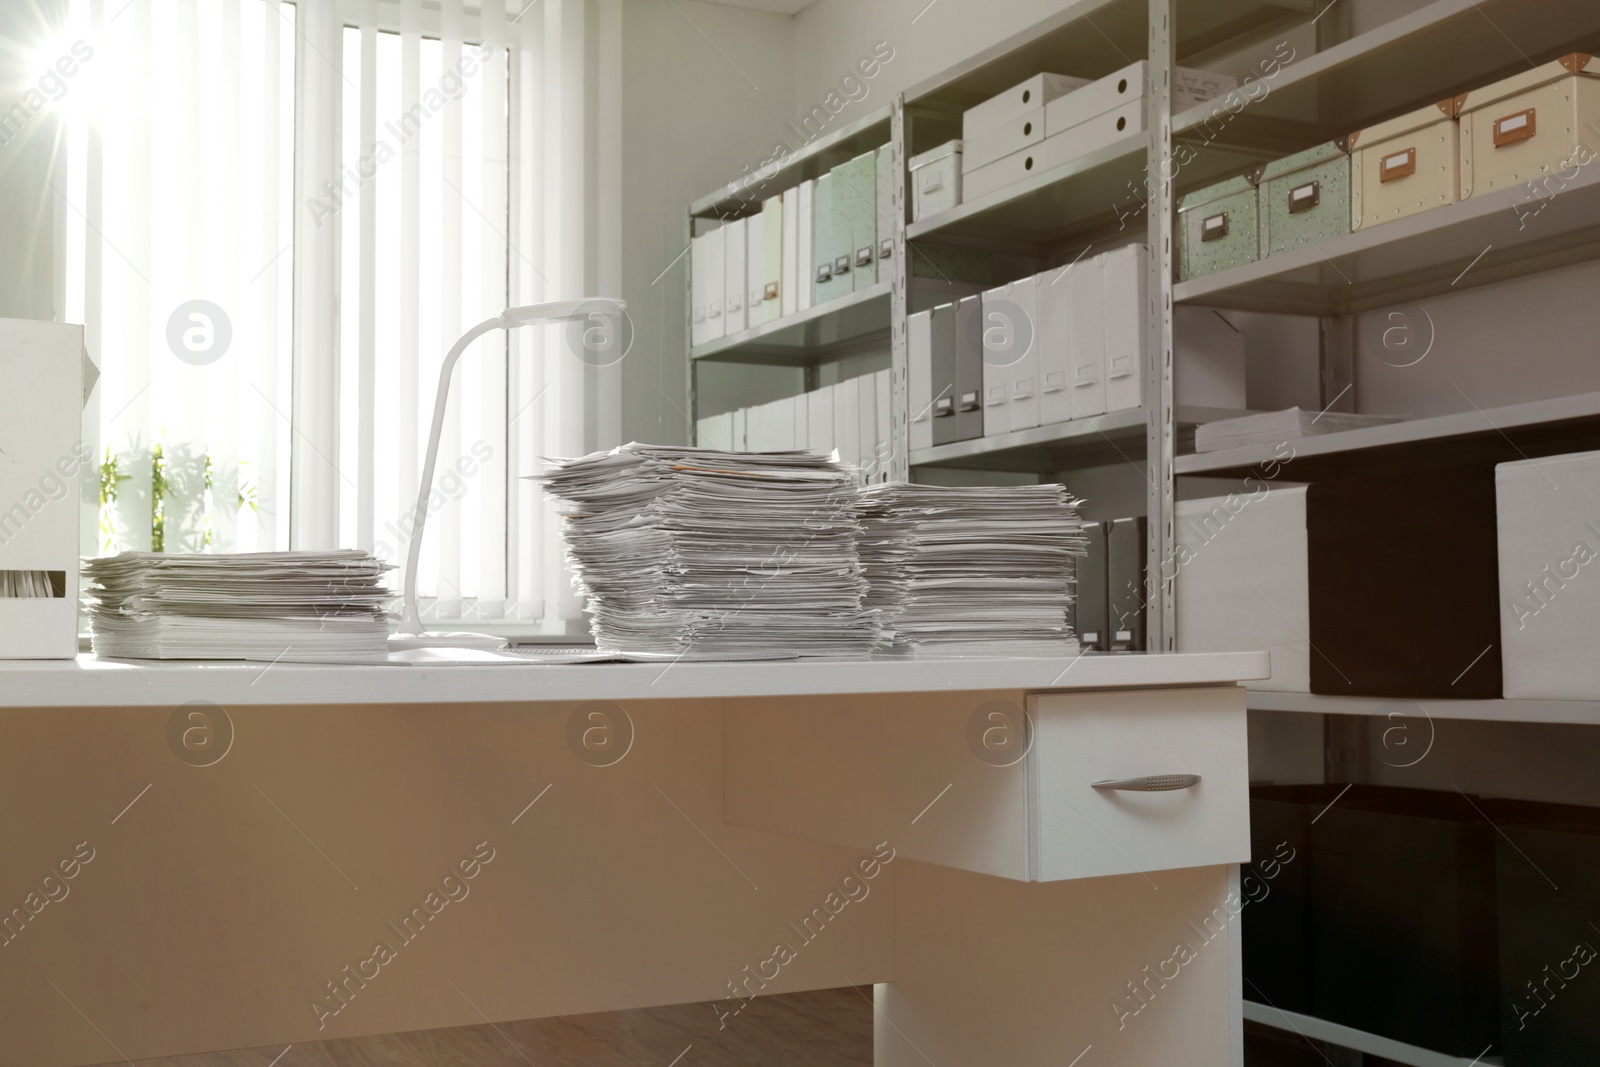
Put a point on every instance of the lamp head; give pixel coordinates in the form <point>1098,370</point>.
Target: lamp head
<point>559,311</point>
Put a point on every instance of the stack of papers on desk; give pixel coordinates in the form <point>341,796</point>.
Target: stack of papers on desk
<point>1274,427</point>
<point>320,607</point>
<point>973,569</point>
<point>698,549</point>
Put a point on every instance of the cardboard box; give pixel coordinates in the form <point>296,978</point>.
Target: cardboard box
<point>1304,199</point>
<point>1218,227</point>
<point>1037,91</point>
<point>1127,86</point>
<point>1406,165</point>
<point>936,181</point>
<point>43,460</point>
<point>1547,517</point>
<point>1224,544</point>
<point>1521,128</point>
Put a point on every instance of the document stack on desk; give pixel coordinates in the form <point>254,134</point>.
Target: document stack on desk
<point>317,607</point>
<point>973,569</point>
<point>705,550</point>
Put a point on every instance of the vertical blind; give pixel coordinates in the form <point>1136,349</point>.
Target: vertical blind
<point>347,187</point>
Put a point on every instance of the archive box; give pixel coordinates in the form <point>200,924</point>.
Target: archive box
<point>1406,165</point>
<point>1304,198</point>
<point>1036,92</point>
<point>1549,555</point>
<point>1403,918</point>
<point>1523,127</point>
<point>935,180</point>
<point>1257,535</point>
<point>1218,227</point>
<point>1549,1007</point>
<point>43,459</point>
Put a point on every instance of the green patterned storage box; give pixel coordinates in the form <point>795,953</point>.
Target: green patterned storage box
<point>1305,198</point>
<point>1217,228</point>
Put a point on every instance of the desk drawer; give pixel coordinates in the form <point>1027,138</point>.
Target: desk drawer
<point>1080,831</point>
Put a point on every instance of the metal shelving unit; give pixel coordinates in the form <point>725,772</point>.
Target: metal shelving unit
<point>1348,82</point>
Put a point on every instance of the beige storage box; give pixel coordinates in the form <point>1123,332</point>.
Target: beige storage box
<point>1405,166</point>
<point>1522,128</point>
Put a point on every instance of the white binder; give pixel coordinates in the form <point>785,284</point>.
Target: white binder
<point>741,420</point>
<point>819,420</point>
<point>867,426</point>
<point>847,421</point>
<point>715,258</point>
<point>1086,339</point>
<point>999,349</point>
<point>1051,296</point>
<point>804,269</point>
<point>886,215</point>
<point>699,280</point>
<point>733,252</point>
<point>755,269</point>
<point>780,435</point>
<point>1123,277</point>
<point>919,378</point>
<point>791,252</point>
<point>884,390</point>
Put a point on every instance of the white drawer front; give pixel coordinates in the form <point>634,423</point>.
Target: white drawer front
<point>1079,831</point>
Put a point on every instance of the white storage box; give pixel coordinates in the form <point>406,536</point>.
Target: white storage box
<point>1257,535</point>
<point>43,459</point>
<point>1406,165</point>
<point>1037,91</point>
<point>936,180</point>
<point>1010,136</point>
<point>1190,87</point>
<point>1522,128</point>
<point>1548,518</point>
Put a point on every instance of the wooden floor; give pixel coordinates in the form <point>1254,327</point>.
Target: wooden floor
<point>830,1028</point>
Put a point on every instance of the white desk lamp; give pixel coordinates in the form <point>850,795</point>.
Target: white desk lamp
<point>410,634</point>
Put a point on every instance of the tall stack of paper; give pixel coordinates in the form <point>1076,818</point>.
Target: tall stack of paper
<point>687,549</point>
<point>297,606</point>
<point>973,568</point>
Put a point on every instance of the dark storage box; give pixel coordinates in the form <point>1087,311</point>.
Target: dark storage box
<point>1403,575</point>
<point>1549,967</point>
<point>1276,922</point>
<point>1403,925</point>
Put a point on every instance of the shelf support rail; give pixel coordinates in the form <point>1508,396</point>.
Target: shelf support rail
<point>1160,560</point>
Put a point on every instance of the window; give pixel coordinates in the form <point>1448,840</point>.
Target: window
<point>281,216</point>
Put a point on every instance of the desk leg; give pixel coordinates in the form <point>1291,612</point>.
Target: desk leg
<point>1125,971</point>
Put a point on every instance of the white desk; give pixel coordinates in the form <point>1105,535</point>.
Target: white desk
<point>228,890</point>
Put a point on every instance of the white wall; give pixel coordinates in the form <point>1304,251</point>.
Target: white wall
<point>706,90</point>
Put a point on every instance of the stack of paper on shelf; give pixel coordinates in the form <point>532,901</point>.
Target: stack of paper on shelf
<point>294,606</point>
<point>1272,427</point>
<point>705,550</point>
<point>973,569</point>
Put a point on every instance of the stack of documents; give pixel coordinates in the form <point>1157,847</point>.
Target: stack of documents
<point>320,607</point>
<point>1274,427</point>
<point>973,569</point>
<point>704,550</point>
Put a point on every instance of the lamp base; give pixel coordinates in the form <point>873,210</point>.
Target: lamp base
<point>406,642</point>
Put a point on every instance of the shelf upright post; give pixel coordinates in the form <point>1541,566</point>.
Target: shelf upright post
<point>899,300</point>
<point>691,378</point>
<point>1159,606</point>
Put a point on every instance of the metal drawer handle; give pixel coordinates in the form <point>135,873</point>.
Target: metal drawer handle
<point>1155,783</point>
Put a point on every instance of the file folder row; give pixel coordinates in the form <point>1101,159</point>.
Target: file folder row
<point>1108,611</point>
<point>1061,345</point>
<point>853,417</point>
<point>819,241</point>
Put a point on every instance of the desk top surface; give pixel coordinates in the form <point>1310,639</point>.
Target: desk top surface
<point>92,682</point>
